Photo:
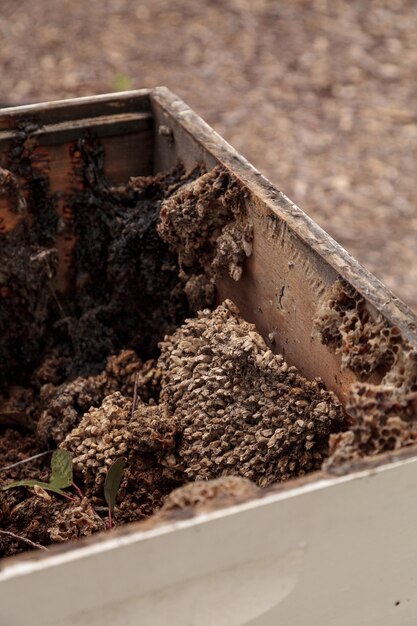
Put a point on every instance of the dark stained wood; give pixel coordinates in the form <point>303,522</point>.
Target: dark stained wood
<point>124,124</point>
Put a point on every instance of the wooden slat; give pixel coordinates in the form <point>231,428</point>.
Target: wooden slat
<point>78,108</point>
<point>103,126</point>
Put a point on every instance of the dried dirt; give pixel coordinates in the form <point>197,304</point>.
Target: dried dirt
<point>319,94</point>
<point>62,354</point>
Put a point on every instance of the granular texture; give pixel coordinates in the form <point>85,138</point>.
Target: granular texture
<point>216,404</point>
<point>241,409</point>
<point>76,520</point>
<point>383,417</point>
<point>27,305</point>
<point>125,281</point>
<point>45,519</point>
<point>18,409</point>
<point>113,430</point>
<point>100,438</point>
<point>206,495</point>
<point>63,406</point>
<point>227,406</point>
<point>364,339</point>
<point>205,222</point>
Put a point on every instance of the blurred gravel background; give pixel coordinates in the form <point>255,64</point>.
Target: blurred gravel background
<point>320,95</point>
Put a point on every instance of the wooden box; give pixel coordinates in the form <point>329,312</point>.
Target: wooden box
<point>334,549</point>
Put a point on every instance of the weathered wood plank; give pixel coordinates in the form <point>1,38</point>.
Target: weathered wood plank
<point>102,126</point>
<point>77,108</point>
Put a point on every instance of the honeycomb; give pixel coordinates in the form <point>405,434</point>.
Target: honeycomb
<point>364,340</point>
<point>383,417</point>
<point>241,409</point>
<point>228,406</point>
<point>62,406</point>
<point>205,222</point>
<point>205,495</point>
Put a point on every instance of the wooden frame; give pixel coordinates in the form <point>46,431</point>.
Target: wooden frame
<point>324,549</point>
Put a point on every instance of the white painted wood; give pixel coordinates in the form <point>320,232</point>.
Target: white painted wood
<point>338,552</point>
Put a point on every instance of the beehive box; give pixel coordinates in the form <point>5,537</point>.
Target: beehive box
<point>333,548</point>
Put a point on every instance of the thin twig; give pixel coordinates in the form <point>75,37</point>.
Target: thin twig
<point>64,495</point>
<point>55,297</point>
<point>30,458</point>
<point>135,395</point>
<point>78,490</point>
<point>28,541</point>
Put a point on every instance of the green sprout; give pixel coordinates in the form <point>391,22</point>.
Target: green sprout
<point>112,484</point>
<point>61,475</point>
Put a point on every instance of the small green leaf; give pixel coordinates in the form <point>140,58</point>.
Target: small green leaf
<point>113,480</point>
<point>122,82</point>
<point>61,466</point>
<point>33,483</point>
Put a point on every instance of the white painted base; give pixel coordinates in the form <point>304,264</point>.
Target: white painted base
<point>338,552</point>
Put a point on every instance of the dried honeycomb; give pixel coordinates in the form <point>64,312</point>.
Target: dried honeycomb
<point>381,423</point>
<point>205,495</point>
<point>113,430</point>
<point>101,437</point>
<point>64,405</point>
<point>74,521</point>
<point>228,406</point>
<point>364,339</point>
<point>383,417</point>
<point>206,223</point>
<point>241,409</point>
